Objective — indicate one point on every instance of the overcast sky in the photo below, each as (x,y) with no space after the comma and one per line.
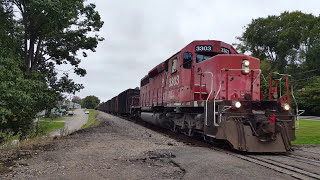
(142,33)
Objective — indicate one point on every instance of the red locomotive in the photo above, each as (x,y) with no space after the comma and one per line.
(210,89)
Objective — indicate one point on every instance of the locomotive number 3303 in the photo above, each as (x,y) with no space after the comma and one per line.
(174,81)
(204,48)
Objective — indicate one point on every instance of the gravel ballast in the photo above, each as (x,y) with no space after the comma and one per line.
(121,149)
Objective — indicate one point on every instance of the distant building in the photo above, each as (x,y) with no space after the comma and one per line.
(72,105)
(61,108)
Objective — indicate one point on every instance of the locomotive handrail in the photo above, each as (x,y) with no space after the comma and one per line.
(281,74)
(206,117)
(298,112)
(214,100)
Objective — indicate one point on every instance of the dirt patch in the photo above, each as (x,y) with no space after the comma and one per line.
(161,159)
(10,159)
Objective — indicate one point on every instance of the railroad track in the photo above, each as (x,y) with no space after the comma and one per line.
(281,167)
(306,160)
(259,159)
(311,152)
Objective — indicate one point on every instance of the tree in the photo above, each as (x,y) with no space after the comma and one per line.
(289,39)
(9,41)
(76,99)
(90,102)
(22,96)
(288,43)
(35,37)
(309,97)
(54,33)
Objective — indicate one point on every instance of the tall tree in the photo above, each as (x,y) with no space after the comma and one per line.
(35,37)
(9,38)
(309,97)
(288,43)
(289,39)
(22,96)
(55,33)
(76,99)
(90,102)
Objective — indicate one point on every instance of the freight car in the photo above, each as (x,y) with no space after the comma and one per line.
(121,104)
(209,89)
(127,99)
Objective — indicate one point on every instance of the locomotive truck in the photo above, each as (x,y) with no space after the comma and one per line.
(209,89)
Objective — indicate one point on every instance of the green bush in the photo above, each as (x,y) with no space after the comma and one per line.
(21,98)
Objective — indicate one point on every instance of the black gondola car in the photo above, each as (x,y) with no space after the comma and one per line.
(112,105)
(108,106)
(126,99)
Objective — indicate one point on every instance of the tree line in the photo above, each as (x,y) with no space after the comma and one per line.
(288,43)
(89,102)
(36,37)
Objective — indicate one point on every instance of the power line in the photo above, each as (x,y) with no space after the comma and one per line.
(307,71)
(309,78)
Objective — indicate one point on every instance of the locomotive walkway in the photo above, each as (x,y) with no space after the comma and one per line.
(120,149)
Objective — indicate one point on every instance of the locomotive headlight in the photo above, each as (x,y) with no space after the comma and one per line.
(236,104)
(245,66)
(246,63)
(246,70)
(286,107)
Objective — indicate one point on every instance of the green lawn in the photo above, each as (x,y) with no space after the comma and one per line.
(92,118)
(54,119)
(308,132)
(46,126)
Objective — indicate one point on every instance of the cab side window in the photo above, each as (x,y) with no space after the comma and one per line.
(187,60)
(174,66)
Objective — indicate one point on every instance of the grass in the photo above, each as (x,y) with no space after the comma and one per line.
(54,119)
(47,127)
(92,121)
(308,132)
(32,138)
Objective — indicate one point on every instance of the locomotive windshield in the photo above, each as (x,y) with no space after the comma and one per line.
(205,52)
(201,57)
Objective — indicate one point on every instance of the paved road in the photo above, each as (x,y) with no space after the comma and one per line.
(311,118)
(72,123)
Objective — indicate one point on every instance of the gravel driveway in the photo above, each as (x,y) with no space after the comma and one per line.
(72,123)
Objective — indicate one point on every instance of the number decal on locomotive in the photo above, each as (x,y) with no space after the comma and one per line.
(225,50)
(174,81)
(204,48)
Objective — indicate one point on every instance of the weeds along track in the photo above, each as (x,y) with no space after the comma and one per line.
(296,166)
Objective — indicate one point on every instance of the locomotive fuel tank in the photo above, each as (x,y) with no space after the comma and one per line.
(158,119)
